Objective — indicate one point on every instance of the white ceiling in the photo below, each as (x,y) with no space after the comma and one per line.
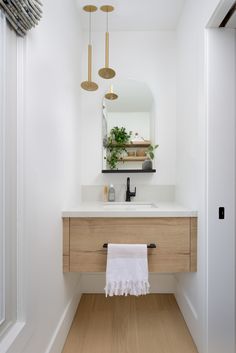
(134,15)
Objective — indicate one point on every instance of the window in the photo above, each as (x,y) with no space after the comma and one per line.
(8,176)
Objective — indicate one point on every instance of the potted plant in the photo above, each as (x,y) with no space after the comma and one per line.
(116,142)
(150,153)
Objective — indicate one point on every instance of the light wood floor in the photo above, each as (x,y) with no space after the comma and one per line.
(147,324)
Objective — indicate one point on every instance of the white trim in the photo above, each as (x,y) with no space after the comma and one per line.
(205,209)
(189,313)
(206,191)
(20,332)
(15,333)
(9,339)
(59,335)
(2,166)
(187,307)
(21,267)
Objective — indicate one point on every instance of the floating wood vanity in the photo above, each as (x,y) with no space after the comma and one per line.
(175,237)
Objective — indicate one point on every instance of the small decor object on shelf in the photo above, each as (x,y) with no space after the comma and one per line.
(150,153)
(22,15)
(116,145)
(147,165)
(137,138)
(141,153)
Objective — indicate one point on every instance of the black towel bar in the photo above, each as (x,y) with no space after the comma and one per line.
(150,246)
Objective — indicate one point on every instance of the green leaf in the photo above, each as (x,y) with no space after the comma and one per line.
(151,154)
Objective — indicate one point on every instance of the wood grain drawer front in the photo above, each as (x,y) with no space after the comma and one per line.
(171,235)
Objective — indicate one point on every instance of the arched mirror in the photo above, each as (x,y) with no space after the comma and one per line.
(129,129)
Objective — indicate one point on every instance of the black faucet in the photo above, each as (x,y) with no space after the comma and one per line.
(129,194)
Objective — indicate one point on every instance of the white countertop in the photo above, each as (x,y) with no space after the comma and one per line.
(109,209)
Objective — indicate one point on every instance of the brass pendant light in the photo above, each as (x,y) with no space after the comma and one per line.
(111,95)
(107,72)
(89,85)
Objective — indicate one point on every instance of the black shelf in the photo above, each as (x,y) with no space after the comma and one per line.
(128,171)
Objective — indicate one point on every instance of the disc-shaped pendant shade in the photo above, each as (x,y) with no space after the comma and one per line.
(111,95)
(90,8)
(89,85)
(107,8)
(107,72)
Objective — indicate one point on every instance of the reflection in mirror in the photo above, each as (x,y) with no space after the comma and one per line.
(128,128)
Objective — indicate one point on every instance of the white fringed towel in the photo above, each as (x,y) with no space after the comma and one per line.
(127,270)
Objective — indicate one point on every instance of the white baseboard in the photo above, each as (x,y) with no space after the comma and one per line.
(188,311)
(95,283)
(59,336)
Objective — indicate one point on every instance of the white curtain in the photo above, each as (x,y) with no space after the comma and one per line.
(22,14)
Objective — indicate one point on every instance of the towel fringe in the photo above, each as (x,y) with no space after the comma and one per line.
(127,288)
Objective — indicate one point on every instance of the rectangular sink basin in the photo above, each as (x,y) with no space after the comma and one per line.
(129,206)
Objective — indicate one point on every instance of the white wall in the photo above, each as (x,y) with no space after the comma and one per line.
(148,57)
(49,166)
(191,169)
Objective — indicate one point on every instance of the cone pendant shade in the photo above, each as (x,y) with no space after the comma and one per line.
(89,85)
(107,72)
